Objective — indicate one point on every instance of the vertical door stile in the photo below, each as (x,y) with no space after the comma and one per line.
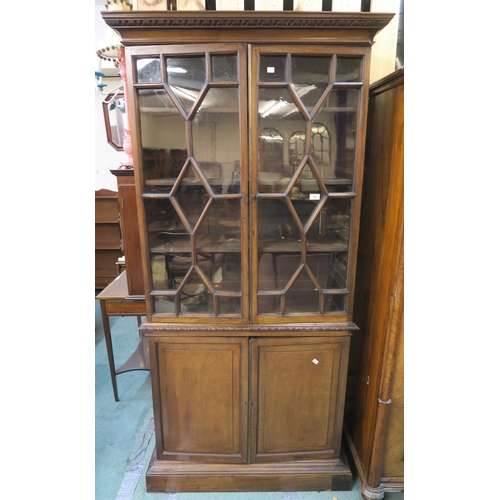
(253,58)
(243,71)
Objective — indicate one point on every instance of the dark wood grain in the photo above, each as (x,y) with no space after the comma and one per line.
(250,401)
(375,420)
(107,239)
(130,230)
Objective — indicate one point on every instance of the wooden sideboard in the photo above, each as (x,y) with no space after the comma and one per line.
(375,411)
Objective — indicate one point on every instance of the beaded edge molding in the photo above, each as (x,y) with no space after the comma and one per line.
(249,328)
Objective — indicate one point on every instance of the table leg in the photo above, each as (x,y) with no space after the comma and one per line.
(109,347)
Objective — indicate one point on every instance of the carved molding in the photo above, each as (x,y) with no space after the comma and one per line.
(162,327)
(130,22)
(148,21)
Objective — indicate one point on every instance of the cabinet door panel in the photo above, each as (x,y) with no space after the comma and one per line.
(297,397)
(203,398)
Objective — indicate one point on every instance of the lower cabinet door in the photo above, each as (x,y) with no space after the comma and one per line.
(200,389)
(297,399)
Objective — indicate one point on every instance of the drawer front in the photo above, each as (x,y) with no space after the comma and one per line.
(130,307)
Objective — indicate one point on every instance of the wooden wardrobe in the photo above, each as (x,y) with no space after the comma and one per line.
(375,407)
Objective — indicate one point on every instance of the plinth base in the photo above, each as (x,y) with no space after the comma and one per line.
(320,475)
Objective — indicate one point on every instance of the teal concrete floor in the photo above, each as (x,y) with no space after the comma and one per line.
(124,437)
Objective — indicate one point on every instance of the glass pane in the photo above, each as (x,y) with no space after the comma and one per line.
(277,228)
(335,303)
(148,70)
(219,239)
(168,240)
(195,297)
(186,77)
(348,69)
(272,68)
(303,296)
(266,282)
(331,229)
(337,277)
(310,77)
(191,195)
(279,118)
(224,68)
(229,306)
(163,138)
(333,139)
(296,148)
(268,304)
(216,139)
(307,186)
(165,305)
(320,144)
(304,209)
(280,259)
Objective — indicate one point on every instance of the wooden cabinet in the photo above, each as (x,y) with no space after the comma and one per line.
(127,201)
(107,237)
(375,419)
(248,133)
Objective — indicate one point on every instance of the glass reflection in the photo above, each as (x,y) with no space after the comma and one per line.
(219,237)
(163,139)
(279,118)
(194,295)
(303,295)
(148,70)
(191,194)
(192,167)
(281,269)
(186,77)
(216,138)
(272,68)
(333,139)
(348,69)
(224,68)
(310,78)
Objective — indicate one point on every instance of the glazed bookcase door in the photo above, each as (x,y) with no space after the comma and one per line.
(190,109)
(306,146)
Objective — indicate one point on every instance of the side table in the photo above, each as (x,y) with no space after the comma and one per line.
(115,301)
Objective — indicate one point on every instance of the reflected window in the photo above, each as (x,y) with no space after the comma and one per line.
(270,150)
(320,144)
(148,70)
(296,148)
